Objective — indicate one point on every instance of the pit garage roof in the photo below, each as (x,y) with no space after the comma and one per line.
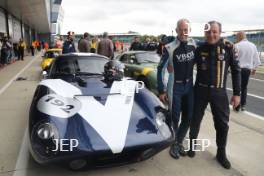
(35,13)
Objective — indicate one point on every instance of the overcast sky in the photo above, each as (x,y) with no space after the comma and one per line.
(159,16)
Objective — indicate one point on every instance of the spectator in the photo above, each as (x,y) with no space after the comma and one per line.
(10,50)
(105,47)
(32,48)
(21,48)
(15,48)
(248,61)
(136,45)
(161,45)
(46,46)
(58,43)
(93,45)
(153,45)
(83,44)
(5,50)
(146,44)
(68,45)
(38,45)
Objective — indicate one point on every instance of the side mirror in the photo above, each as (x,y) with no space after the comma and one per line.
(44,74)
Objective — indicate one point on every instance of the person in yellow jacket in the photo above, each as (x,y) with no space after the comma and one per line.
(93,46)
(21,48)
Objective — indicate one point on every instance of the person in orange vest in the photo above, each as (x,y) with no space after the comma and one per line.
(38,45)
(32,48)
(122,46)
(117,44)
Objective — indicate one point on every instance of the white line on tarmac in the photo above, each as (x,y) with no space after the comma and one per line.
(23,157)
(15,77)
(252,95)
(254,115)
(255,79)
(250,113)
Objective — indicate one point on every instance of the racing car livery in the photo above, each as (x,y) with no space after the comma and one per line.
(79,118)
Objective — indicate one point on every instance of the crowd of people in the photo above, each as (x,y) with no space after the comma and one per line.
(106,46)
(13,51)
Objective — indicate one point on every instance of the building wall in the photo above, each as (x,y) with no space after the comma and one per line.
(2,21)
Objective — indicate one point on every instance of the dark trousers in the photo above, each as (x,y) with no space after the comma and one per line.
(32,51)
(21,54)
(182,102)
(93,50)
(4,55)
(220,109)
(245,74)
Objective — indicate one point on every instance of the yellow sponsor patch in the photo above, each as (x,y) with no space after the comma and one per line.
(204,54)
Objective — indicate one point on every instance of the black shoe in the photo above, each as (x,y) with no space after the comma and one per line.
(174,151)
(191,152)
(182,151)
(222,159)
(243,108)
(237,109)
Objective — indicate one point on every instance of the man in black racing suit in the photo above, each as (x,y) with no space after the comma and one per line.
(213,58)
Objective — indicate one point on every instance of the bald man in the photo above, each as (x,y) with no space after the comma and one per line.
(249,61)
(178,55)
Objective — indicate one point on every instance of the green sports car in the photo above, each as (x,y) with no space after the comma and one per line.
(142,66)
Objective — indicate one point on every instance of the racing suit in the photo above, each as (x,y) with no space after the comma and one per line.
(180,56)
(212,63)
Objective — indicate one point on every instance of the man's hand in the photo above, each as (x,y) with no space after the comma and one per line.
(228,43)
(235,101)
(253,72)
(170,69)
(163,98)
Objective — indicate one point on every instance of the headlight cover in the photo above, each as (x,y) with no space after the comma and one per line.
(47,131)
(161,123)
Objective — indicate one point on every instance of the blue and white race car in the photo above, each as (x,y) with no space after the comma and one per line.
(85,114)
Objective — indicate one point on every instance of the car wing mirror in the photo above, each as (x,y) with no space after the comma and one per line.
(44,74)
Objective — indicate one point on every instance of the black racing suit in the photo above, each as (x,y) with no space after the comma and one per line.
(212,63)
